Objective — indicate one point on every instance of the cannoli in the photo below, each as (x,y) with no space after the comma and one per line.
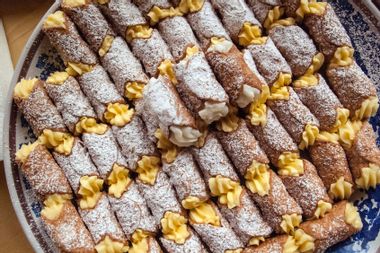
(65,227)
(67,95)
(338,225)
(82,174)
(42,171)
(241,84)
(238,20)
(354,89)
(325,29)
(100,90)
(296,118)
(90,21)
(36,106)
(308,191)
(124,69)
(298,9)
(234,202)
(323,103)
(198,87)
(359,141)
(298,242)
(175,121)
(329,158)
(103,226)
(206,24)
(73,50)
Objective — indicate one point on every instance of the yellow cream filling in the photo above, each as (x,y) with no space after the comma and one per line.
(328,137)
(234,251)
(89,125)
(75,69)
(200,211)
(370,177)
(290,222)
(168,150)
(138,32)
(73,3)
(290,245)
(279,89)
(258,178)
(343,56)
(90,191)
(107,245)
(303,241)
(134,90)
(118,180)
(23,153)
(227,190)
(166,69)
(57,78)
(24,88)
(156,14)
(102,1)
(309,136)
(352,216)
(342,115)
(310,7)
(274,18)
(139,241)
(118,114)
(190,6)
(147,168)
(53,205)
(348,131)
(309,79)
(106,45)
(229,123)
(323,208)
(316,63)
(174,227)
(251,34)
(255,241)
(340,189)
(368,108)
(258,109)
(55,20)
(290,164)
(60,142)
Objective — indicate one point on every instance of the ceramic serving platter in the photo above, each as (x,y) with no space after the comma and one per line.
(360,18)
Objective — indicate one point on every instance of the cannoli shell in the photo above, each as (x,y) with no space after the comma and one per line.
(293,115)
(351,85)
(44,174)
(306,189)
(233,72)
(39,111)
(327,31)
(330,229)
(291,7)
(90,22)
(78,239)
(242,147)
(70,102)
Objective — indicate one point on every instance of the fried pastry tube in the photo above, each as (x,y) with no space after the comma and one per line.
(104,227)
(204,216)
(342,222)
(36,106)
(354,89)
(233,199)
(124,69)
(296,118)
(278,208)
(359,141)
(329,158)
(90,21)
(73,105)
(198,87)
(74,51)
(162,101)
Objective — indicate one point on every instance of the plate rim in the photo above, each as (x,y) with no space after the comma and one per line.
(30,45)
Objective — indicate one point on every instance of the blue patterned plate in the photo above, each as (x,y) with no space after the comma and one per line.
(360,18)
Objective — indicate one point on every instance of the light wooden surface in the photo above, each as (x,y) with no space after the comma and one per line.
(19,19)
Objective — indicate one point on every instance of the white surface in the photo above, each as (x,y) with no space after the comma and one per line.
(6,72)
